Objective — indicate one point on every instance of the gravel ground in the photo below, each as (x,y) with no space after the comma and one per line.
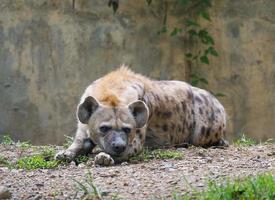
(148,180)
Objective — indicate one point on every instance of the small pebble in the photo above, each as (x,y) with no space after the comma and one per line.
(4,193)
(81,165)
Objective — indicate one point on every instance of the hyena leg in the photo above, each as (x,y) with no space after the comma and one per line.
(81,145)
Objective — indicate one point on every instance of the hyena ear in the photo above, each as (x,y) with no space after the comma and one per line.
(86,109)
(140,112)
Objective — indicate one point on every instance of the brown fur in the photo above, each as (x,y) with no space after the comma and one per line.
(174,113)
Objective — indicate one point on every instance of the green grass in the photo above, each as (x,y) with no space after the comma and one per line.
(245,141)
(147,155)
(4,162)
(6,140)
(88,188)
(260,187)
(36,162)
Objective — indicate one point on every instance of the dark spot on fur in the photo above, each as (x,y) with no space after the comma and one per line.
(216,135)
(179,129)
(208,132)
(157,97)
(167,114)
(189,94)
(192,111)
(165,127)
(172,126)
(166,99)
(157,113)
(220,128)
(200,110)
(203,130)
(135,150)
(183,105)
(205,99)
(212,118)
(198,99)
(177,108)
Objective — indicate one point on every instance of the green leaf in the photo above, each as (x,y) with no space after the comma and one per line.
(194,82)
(184,2)
(192,32)
(205,15)
(203,80)
(191,23)
(114,4)
(206,3)
(149,2)
(162,30)
(176,31)
(189,55)
(213,52)
(204,59)
(219,94)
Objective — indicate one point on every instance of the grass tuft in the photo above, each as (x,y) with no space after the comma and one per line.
(4,162)
(245,141)
(36,162)
(88,188)
(6,140)
(260,187)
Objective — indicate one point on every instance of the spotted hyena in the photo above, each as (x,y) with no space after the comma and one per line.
(124,111)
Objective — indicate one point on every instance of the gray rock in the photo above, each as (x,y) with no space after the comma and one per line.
(4,193)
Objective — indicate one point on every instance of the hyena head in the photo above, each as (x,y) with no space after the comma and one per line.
(113,128)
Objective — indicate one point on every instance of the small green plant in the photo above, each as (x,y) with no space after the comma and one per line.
(68,141)
(245,141)
(88,188)
(147,155)
(6,140)
(23,146)
(81,159)
(4,162)
(48,153)
(261,187)
(36,162)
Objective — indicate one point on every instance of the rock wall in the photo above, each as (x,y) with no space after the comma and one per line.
(49,53)
(245,70)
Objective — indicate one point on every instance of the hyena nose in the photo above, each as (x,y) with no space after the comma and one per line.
(118,147)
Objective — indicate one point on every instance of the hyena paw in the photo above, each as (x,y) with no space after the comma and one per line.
(104,159)
(65,155)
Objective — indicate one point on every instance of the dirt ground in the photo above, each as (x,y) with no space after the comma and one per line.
(154,179)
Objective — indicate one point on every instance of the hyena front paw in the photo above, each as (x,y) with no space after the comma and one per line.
(104,159)
(65,155)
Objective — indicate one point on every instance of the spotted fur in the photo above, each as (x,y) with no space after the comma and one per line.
(178,112)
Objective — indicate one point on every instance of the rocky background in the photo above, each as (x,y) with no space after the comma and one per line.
(49,53)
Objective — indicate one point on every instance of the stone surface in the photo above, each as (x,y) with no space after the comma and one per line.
(244,32)
(4,193)
(49,53)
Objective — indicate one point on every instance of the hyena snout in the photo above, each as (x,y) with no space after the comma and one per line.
(118,146)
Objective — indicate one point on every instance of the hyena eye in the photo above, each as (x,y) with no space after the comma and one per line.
(126,130)
(104,129)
